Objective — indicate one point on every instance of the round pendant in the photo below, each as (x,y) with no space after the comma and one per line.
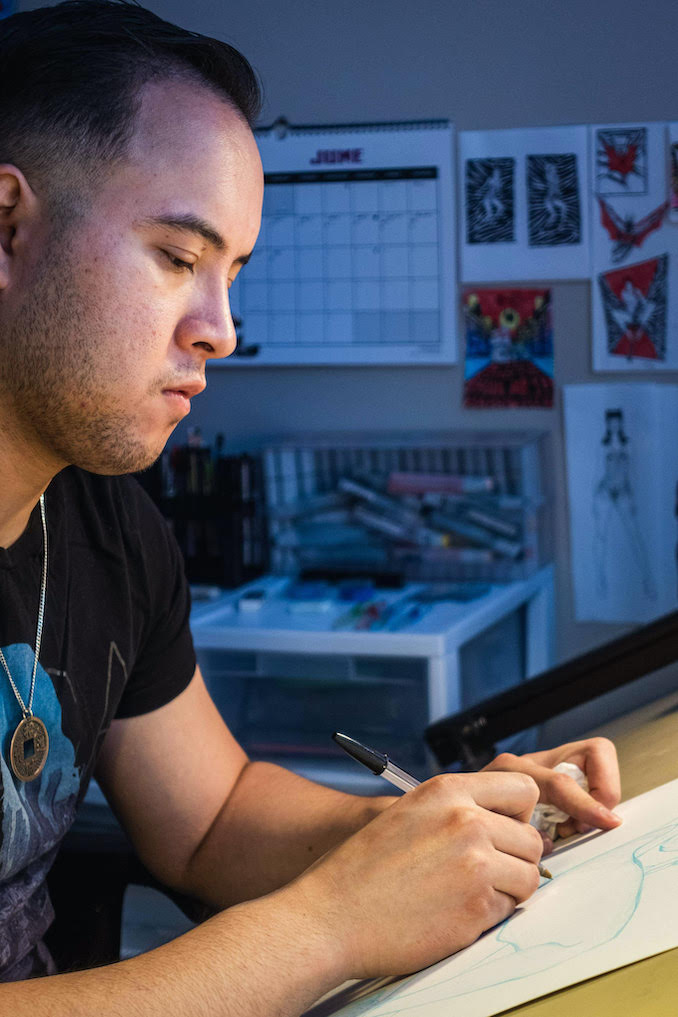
(29,748)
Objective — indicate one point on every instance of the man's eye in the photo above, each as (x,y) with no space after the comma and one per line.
(178,264)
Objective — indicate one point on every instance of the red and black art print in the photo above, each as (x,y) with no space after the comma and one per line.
(634,301)
(621,160)
(625,231)
(509,348)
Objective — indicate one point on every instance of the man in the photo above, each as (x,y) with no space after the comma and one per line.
(130,197)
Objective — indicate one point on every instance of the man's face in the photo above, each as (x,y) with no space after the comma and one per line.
(106,337)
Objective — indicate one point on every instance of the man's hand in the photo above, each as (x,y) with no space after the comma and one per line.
(425,878)
(597,758)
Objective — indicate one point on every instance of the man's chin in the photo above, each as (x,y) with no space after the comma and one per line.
(115,444)
(123,461)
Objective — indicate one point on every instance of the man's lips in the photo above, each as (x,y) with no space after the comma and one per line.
(188,389)
(181,395)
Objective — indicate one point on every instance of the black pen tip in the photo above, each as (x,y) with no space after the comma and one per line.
(374,761)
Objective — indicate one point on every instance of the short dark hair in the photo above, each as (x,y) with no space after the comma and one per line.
(70,77)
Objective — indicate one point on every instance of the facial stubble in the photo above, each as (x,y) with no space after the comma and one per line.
(58,373)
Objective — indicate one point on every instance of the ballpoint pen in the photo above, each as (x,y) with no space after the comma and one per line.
(380,764)
(377,762)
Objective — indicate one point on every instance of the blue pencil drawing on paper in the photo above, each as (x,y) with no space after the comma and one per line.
(533,941)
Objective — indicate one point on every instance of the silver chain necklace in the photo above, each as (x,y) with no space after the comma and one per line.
(30,742)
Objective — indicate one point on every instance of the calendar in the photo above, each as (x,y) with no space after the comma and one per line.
(355,262)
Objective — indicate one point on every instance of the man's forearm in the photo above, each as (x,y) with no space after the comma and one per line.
(267,958)
(273,826)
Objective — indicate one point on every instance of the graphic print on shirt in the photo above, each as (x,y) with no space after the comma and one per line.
(35,815)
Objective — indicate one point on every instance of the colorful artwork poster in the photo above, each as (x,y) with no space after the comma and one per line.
(634,248)
(509,348)
(525,204)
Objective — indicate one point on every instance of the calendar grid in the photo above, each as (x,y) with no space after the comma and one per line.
(346,258)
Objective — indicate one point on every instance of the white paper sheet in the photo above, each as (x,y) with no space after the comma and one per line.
(356,260)
(634,287)
(524,200)
(622,471)
(612,901)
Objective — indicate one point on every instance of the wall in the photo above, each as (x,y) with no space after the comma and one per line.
(483,64)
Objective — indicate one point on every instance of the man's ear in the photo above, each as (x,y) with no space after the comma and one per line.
(18,210)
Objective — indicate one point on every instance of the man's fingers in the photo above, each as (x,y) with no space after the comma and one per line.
(516,878)
(508,794)
(596,757)
(547,843)
(519,840)
(572,826)
(562,791)
(602,772)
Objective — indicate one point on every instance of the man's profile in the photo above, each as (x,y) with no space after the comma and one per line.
(130,197)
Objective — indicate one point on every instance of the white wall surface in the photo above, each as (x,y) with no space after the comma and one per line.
(483,64)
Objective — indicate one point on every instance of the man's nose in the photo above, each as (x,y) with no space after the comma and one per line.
(209,328)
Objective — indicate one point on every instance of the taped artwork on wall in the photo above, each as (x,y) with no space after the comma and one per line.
(509,348)
(634,246)
(673,159)
(490,201)
(621,160)
(622,472)
(634,302)
(525,206)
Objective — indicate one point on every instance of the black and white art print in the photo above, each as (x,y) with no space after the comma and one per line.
(622,464)
(525,204)
(553,200)
(490,201)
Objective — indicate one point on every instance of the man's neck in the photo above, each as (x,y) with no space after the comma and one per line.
(12,527)
(25,472)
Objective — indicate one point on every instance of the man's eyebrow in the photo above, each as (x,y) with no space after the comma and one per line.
(193,224)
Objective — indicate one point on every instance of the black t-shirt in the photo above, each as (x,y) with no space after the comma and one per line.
(116,643)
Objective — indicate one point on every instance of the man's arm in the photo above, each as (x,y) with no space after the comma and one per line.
(208,822)
(205,820)
(363,909)
(267,958)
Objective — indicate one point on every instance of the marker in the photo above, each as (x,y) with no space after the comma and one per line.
(381,765)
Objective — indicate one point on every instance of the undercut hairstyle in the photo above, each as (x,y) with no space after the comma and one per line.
(70,83)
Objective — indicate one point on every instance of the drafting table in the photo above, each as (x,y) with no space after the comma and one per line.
(646,741)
